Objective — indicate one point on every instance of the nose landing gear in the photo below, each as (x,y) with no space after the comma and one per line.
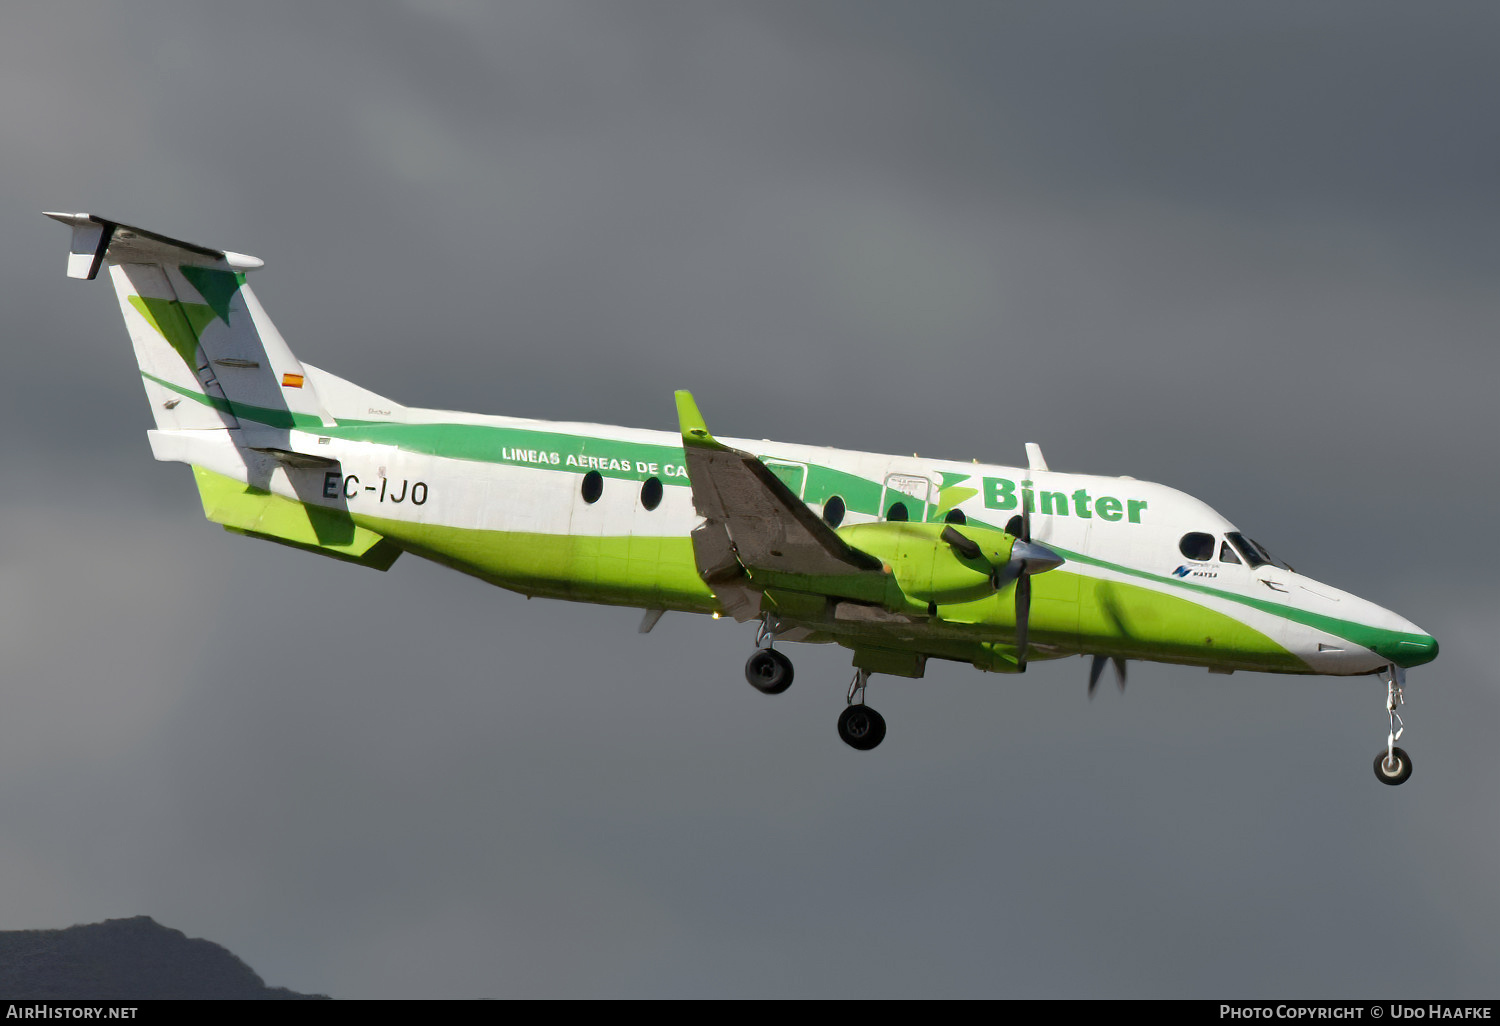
(1393,766)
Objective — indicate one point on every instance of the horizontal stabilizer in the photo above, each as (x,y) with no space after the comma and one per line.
(96,239)
(301,460)
(200,334)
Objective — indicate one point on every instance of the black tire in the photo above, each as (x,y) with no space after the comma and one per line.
(768,671)
(1393,775)
(861,727)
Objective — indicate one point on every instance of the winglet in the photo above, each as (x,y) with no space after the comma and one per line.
(694,430)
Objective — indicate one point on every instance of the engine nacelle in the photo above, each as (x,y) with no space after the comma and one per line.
(928,569)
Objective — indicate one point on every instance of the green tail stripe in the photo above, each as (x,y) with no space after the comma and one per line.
(216,287)
(245,411)
(179,323)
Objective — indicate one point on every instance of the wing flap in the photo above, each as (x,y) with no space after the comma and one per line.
(756,527)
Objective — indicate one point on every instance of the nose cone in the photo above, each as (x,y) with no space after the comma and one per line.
(1330,618)
(1407,650)
(1396,639)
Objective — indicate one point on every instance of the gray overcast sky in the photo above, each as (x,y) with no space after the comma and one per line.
(1245,250)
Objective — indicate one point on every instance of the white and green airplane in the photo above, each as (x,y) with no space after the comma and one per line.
(899,559)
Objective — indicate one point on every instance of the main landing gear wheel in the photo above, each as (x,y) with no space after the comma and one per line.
(861,727)
(1392,768)
(768,671)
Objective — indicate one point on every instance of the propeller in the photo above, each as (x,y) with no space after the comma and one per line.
(1026,558)
(1097,669)
(1031,558)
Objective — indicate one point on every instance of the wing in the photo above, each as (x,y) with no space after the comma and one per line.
(757,534)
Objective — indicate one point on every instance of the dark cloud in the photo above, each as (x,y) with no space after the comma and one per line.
(1245,251)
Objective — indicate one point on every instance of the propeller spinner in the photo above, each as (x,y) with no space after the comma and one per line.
(1026,558)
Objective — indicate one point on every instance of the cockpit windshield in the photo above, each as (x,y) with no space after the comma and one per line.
(1254,553)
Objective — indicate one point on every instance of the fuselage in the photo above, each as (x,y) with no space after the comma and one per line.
(603,514)
(899,559)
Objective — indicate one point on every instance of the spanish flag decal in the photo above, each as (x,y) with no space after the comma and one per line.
(290,380)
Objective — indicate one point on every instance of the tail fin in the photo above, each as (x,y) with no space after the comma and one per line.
(208,354)
(228,395)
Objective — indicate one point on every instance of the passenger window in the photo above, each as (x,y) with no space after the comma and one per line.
(593,486)
(955,516)
(897,512)
(1197,546)
(1226,554)
(651,493)
(833,511)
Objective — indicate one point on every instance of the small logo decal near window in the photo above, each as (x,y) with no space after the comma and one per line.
(1194,571)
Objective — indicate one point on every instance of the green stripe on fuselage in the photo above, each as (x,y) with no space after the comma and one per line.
(1376,639)
(1182,623)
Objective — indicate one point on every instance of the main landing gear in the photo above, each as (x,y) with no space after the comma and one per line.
(767,670)
(1393,765)
(770,672)
(860,727)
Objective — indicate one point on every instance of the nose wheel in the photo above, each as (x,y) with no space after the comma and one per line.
(1392,768)
(1393,765)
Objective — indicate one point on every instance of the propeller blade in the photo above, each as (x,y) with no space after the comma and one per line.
(1023,618)
(1095,670)
(1028,558)
(964,546)
(1003,575)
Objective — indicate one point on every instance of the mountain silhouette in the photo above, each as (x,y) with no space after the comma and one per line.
(135,958)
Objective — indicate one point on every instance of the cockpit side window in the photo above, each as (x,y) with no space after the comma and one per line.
(1197,546)
(1278,562)
(1226,554)
(1254,554)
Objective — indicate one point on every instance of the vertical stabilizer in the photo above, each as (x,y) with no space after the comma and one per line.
(208,353)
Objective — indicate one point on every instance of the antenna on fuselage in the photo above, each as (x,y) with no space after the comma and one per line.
(1034,458)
